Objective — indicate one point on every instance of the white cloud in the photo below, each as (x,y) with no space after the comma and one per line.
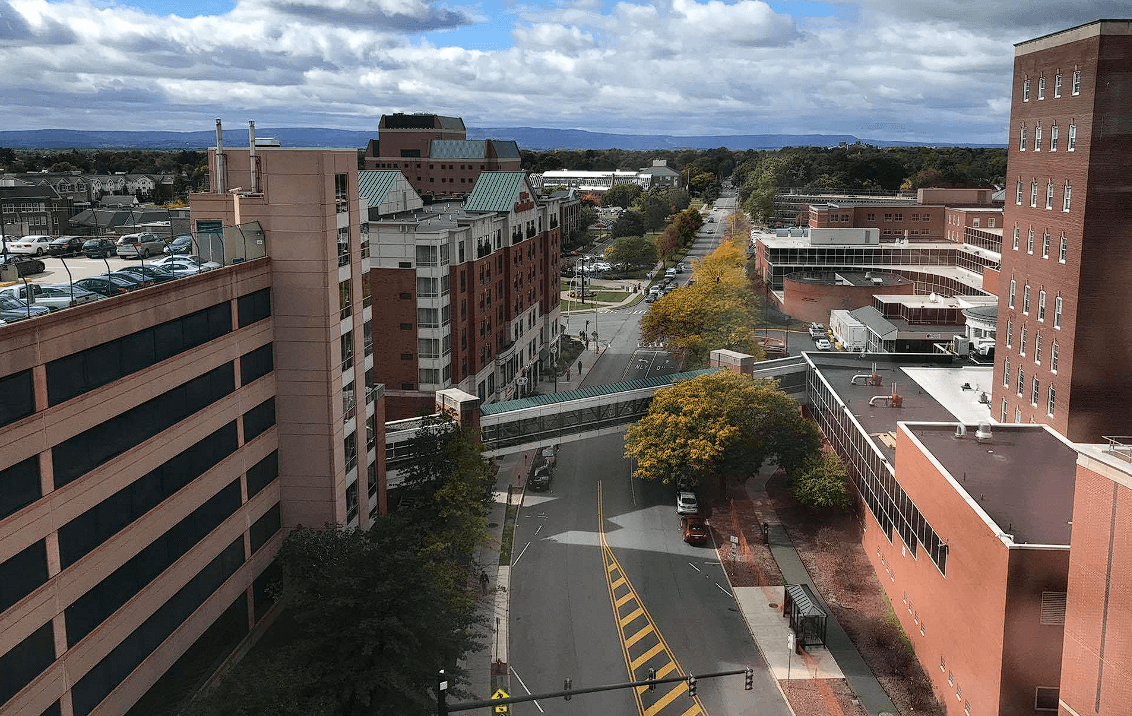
(882,69)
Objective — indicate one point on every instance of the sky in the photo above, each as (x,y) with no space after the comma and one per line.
(907,70)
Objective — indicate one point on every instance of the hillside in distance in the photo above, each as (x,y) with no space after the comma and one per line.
(532,138)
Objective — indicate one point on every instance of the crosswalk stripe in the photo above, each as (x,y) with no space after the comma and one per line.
(656,649)
(668,698)
(621,602)
(618,583)
(666,670)
(693,710)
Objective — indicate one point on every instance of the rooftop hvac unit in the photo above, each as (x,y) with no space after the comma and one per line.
(983,434)
(961,345)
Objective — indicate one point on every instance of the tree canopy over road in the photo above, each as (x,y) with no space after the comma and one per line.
(723,424)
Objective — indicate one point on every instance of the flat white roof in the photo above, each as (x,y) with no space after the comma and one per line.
(945,384)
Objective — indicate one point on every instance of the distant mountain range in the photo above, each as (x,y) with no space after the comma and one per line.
(533,138)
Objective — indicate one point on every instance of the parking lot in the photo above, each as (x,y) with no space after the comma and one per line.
(80,266)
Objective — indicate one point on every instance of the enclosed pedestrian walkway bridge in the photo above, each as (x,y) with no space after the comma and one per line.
(528,423)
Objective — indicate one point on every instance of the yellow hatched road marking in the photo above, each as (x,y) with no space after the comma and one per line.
(645,631)
(668,698)
(656,649)
(616,578)
(631,616)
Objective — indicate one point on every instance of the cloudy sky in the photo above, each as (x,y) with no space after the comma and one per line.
(924,70)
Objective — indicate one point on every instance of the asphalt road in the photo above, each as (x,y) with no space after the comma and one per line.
(603,585)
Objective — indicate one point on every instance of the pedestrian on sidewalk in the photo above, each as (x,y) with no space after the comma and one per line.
(483,581)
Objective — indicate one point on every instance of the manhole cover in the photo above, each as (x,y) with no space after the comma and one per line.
(492,524)
(772,605)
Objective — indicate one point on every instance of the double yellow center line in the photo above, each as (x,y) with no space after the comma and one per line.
(642,644)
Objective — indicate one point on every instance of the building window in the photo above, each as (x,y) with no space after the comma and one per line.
(950,679)
(1006,374)
(1017,235)
(1018,197)
(1022,139)
(1057,85)
(1021,384)
(1057,312)
(1046,697)
(1003,418)
(1010,303)
(1075,88)
(1034,194)
(1030,241)
(344,246)
(1053,357)
(1071,141)
(942,664)
(1041,305)
(1038,348)
(1041,88)
(958,692)
(1063,249)
(1049,194)
(1026,299)
(1053,138)
(1067,197)
(1034,394)
(1038,138)
(1025,90)
(341,193)
(1050,400)
(345,299)
(1045,245)
(1022,341)
(1017,415)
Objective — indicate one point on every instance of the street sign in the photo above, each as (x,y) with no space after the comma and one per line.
(500,694)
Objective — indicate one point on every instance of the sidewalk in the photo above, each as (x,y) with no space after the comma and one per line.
(761,608)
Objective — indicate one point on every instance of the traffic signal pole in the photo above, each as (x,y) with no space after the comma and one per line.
(566,693)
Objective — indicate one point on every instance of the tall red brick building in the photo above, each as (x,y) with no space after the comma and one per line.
(1064,336)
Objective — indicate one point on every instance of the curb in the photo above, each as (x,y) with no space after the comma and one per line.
(500,647)
(777,683)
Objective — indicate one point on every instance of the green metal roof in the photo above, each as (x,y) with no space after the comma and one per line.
(607,389)
(495,191)
(374,185)
(457,149)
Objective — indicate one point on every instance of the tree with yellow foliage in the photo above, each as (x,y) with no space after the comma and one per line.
(717,311)
(724,424)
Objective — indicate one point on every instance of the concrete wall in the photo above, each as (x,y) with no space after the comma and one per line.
(814,302)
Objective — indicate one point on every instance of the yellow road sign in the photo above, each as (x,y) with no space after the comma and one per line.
(500,694)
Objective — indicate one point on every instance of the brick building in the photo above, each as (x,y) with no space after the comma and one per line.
(1065,336)
(435,154)
(472,289)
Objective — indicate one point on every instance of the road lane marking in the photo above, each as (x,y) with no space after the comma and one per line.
(679,688)
(723,590)
(524,685)
(528,544)
(628,610)
(693,566)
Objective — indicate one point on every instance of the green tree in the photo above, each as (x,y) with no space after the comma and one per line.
(723,424)
(628,224)
(634,251)
(821,482)
(621,195)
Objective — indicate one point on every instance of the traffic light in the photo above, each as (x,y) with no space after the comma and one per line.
(692,686)
(652,675)
(749,679)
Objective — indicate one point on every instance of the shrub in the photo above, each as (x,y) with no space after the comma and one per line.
(821,483)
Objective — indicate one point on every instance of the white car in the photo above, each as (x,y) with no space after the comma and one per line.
(37,244)
(185,265)
(686,503)
(53,296)
(823,344)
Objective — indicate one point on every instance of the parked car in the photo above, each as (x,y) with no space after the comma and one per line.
(181,245)
(152,274)
(13,309)
(52,296)
(139,245)
(25,265)
(694,528)
(186,264)
(686,503)
(540,480)
(37,244)
(107,285)
(549,455)
(99,248)
(66,245)
(139,281)
(823,344)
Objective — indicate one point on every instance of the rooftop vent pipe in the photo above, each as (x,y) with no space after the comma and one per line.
(960,430)
(219,158)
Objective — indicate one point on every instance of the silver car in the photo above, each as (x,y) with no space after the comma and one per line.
(52,297)
(139,245)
